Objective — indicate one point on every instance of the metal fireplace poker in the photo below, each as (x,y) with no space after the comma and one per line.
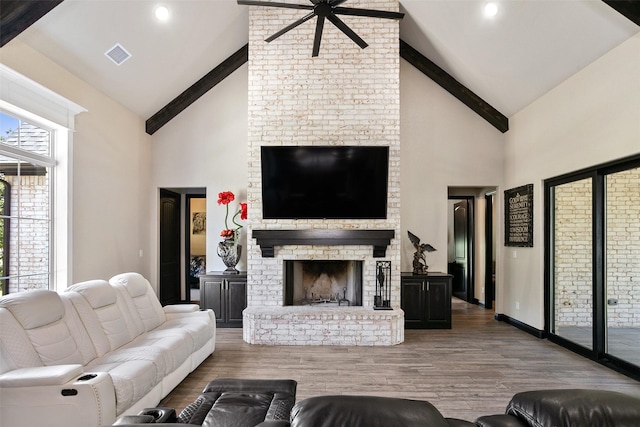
(382,298)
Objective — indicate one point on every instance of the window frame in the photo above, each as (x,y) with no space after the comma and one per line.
(29,100)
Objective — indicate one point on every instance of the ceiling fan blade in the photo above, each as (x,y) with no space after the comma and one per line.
(275,4)
(318,36)
(348,31)
(336,2)
(290,27)
(368,13)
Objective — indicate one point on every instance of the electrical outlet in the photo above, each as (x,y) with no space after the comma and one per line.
(517,305)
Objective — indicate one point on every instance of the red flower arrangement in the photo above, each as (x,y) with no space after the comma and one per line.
(225,198)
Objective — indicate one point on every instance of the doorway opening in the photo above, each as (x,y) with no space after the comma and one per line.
(195,243)
(471,247)
(182,237)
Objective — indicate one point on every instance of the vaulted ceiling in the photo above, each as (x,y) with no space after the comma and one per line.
(509,60)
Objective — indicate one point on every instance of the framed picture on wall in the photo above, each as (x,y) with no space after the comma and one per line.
(199,223)
(518,216)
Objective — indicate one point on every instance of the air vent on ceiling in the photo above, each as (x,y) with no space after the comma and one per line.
(118,54)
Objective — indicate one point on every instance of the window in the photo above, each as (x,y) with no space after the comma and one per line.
(35,190)
(26,166)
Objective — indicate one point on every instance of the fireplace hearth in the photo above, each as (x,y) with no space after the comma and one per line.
(323,283)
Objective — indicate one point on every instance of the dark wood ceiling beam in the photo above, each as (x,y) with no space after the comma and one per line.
(199,88)
(17,16)
(415,58)
(628,8)
(455,88)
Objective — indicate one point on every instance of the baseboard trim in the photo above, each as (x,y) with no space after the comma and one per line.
(520,325)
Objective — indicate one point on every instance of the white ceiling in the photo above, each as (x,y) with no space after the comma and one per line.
(510,60)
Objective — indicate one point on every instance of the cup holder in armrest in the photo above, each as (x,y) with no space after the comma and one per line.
(87,377)
(160,415)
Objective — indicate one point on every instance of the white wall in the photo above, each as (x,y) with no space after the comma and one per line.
(443,144)
(110,172)
(591,118)
(204,146)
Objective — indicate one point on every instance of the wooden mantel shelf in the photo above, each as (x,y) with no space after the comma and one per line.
(268,239)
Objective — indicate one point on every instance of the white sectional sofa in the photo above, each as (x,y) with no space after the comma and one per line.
(95,352)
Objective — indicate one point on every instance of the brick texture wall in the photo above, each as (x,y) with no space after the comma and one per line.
(573,255)
(29,232)
(345,96)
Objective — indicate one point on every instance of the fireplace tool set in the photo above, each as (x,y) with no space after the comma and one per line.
(382,298)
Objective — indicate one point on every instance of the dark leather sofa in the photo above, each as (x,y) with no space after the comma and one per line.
(259,403)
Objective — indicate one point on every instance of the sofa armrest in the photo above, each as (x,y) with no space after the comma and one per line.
(86,400)
(274,423)
(40,376)
(181,308)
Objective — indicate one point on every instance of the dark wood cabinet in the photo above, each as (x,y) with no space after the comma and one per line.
(426,300)
(226,295)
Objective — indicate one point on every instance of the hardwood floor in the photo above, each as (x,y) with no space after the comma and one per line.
(468,371)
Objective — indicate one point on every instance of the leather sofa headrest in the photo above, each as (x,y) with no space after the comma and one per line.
(98,293)
(34,309)
(135,283)
(370,411)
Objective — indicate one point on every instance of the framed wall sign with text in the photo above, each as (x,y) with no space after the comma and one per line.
(518,216)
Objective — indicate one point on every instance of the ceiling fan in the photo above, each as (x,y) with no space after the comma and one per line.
(324,9)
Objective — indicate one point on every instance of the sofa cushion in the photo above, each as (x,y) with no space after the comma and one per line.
(141,301)
(132,380)
(98,293)
(103,298)
(241,402)
(576,408)
(40,313)
(34,308)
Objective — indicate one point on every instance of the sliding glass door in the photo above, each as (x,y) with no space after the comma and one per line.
(572,262)
(622,280)
(592,247)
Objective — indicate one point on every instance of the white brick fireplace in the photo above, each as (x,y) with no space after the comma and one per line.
(345,96)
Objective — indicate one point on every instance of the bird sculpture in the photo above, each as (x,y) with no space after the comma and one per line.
(419,259)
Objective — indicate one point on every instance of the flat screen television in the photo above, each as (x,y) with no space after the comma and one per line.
(324,182)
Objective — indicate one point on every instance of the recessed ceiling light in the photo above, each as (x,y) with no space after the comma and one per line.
(162,13)
(490,9)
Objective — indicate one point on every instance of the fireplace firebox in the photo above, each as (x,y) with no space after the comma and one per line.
(323,283)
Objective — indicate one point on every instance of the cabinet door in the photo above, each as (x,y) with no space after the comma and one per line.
(438,304)
(236,301)
(412,302)
(213,296)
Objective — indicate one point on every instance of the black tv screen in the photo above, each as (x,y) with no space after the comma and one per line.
(316,182)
